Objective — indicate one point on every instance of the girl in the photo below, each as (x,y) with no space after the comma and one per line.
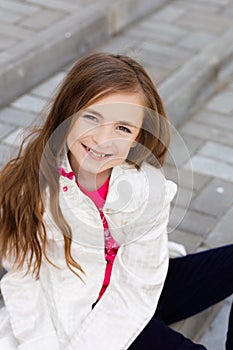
(84,211)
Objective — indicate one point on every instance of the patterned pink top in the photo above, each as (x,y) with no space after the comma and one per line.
(99,197)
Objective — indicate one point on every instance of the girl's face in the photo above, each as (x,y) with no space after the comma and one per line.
(103,133)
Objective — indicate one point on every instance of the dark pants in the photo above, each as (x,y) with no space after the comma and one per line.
(194,283)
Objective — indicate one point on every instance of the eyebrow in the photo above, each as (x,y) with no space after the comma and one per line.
(124,122)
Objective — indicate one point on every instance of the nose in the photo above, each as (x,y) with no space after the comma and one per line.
(102,135)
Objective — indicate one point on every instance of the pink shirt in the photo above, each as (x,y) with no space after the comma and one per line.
(99,197)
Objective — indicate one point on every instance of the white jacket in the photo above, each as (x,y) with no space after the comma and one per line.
(55,311)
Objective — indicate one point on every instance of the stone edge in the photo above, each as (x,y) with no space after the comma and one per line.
(31,62)
(198,79)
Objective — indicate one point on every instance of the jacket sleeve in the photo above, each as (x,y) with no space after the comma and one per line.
(138,276)
(26,305)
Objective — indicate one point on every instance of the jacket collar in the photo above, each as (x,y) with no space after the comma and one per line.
(127,186)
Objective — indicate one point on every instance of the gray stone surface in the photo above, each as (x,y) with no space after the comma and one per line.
(192,221)
(6,42)
(222,103)
(9,16)
(42,19)
(57,33)
(215,199)
(13,31)
(182,146)
(18,7)
(197,41)
(5,130)
(59,4)
(195,81)
(222,232)
(189,240)
(199,6)
(215,119)
(183,197)
(169,14)
(29,103)
(167,57)
(160,31)
(47,88)
(16,117)
(208,132)
(186,178)
(217,151)
(212,167)
(6,153)
(15,138)
(208,22)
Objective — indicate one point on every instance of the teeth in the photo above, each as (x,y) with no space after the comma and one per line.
(96,154)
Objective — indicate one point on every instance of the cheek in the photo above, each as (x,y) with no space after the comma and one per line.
(71,138)
(76,133)
(124,146)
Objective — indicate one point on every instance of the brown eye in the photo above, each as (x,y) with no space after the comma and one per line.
(90,117)
(124,129)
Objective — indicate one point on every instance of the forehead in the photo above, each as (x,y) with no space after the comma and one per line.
(128,107)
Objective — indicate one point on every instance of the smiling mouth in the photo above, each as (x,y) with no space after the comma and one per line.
(95,154)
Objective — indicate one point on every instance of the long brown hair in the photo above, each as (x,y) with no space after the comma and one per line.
(23,183)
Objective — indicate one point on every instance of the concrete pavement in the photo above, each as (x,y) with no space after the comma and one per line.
(188,49)
(38,37)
